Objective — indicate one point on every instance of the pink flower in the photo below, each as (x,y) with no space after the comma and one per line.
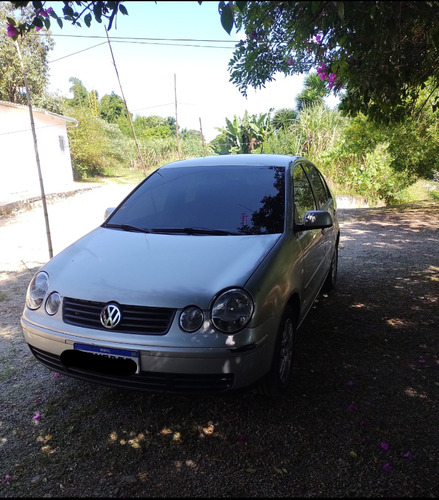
(384,446)
(12,31)
(408,455)
(38,28)
(387,467)
(323,76)
(318,38)
(332,77)
(56,375)
(290,62)
(44,13)
(36,416)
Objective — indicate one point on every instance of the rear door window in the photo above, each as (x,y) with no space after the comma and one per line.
(303,195)
(318,185)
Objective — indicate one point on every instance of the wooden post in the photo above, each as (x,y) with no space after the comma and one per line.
(37,156)
(176,118)
(126,106)
(202,138)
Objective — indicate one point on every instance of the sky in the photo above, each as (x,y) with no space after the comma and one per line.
(166,64)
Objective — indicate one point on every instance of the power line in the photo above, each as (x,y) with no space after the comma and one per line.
(151,107)
(114,38)
(79,51)
(141,43)
(176,44)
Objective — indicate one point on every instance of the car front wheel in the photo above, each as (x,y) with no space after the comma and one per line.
(279,376)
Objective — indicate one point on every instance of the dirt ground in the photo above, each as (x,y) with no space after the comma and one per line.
(360,420)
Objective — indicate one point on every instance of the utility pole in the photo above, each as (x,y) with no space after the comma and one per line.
(37,156)
(176,119)
(202,138)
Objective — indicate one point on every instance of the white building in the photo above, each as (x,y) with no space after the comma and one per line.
(18,166)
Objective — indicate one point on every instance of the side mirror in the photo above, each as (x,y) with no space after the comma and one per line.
(108,212)
(315,219)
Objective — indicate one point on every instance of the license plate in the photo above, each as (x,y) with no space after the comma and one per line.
(109,352)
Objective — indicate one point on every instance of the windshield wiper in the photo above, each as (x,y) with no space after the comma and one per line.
(128,227)
(192,231)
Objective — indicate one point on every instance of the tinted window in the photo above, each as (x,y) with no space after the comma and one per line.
(244,200)
(320,190)
(303,195)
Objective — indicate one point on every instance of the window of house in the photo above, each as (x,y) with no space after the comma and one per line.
(62,143)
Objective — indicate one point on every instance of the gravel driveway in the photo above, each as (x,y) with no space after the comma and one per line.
(360,420)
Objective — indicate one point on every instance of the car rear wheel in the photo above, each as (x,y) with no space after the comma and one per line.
(279,376)
(331,279)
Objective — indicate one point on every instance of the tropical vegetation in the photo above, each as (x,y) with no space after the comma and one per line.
(381,140)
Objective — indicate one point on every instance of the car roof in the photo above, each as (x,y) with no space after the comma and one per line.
(250,160)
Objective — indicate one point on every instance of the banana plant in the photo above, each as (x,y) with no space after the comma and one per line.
(247,133)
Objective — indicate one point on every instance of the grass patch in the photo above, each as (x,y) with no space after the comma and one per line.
(117,176)
(121,175)
(421,190)
(7,370)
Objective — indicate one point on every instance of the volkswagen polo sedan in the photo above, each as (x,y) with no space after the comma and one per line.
(196,282)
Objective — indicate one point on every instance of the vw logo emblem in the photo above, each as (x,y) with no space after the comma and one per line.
(110,316)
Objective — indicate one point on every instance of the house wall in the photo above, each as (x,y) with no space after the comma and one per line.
(18,166)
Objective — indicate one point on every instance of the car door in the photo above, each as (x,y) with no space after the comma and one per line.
(324,202)
(312,242)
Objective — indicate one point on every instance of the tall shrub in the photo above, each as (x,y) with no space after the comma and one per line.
(95,145)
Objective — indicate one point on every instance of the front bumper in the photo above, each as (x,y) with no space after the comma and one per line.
(161,369)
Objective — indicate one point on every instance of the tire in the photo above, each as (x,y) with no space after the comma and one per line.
(279,377)
(331,279)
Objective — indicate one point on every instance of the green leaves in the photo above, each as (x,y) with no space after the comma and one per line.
(227,15)
(378,75)
(244,135)
(38,22)
(68,11)
(87,20)
(340,9)
(87,11)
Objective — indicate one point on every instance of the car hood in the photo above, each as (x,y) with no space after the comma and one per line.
(155,269)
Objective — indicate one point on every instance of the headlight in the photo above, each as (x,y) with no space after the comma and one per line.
(52,303)
(232,310)
(37,289)
(191,319)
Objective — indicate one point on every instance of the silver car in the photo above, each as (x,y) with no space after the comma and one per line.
(196,282)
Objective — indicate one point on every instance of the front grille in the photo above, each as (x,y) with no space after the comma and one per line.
(135,319)
(144,381)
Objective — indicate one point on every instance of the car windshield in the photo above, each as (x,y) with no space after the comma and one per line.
(206,200)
